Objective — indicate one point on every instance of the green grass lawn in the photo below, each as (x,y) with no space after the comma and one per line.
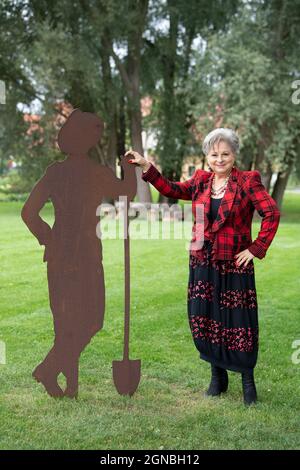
(168,411)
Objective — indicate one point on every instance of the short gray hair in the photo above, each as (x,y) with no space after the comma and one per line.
(221,133)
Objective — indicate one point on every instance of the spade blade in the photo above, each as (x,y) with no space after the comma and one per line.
(126,375)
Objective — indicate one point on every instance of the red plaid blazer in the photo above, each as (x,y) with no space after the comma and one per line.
(231,230)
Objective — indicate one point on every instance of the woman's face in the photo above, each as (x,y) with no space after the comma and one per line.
(221,158)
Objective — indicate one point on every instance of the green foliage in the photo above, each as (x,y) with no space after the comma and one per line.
(204,64)
(246,75)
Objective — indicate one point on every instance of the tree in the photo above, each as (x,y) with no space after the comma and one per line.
(173,49)
(130,37)
(249,85)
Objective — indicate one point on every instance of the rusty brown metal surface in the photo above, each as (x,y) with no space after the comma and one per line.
(73,252)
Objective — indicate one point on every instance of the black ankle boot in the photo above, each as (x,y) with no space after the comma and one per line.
(249,389)
(219,381)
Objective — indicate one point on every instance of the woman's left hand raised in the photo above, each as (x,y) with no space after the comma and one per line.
(243,257)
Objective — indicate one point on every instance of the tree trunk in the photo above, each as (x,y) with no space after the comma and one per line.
(130,75)
(110,107)
(169,118)
(135,116)
(281,183)
(175,120)
(266,178)
(121,134)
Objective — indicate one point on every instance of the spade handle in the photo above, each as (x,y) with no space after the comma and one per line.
(127,280)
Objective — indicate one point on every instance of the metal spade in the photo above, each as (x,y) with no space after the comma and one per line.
(126,373)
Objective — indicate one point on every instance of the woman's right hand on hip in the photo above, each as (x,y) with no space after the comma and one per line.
(138,159)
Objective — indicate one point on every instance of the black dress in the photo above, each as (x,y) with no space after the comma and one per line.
(222,309)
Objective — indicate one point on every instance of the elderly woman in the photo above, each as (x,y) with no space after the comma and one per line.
(222,302)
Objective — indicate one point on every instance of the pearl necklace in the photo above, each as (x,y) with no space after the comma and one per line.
(221,189)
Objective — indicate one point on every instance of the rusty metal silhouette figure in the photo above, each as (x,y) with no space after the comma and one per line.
(73,252)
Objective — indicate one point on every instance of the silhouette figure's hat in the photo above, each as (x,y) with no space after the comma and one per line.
(80,132)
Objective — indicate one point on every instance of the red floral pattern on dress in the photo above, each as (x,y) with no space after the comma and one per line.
(234,339)
(195,262)
(245,298)
(202,289)
(223,266)
(230,266)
